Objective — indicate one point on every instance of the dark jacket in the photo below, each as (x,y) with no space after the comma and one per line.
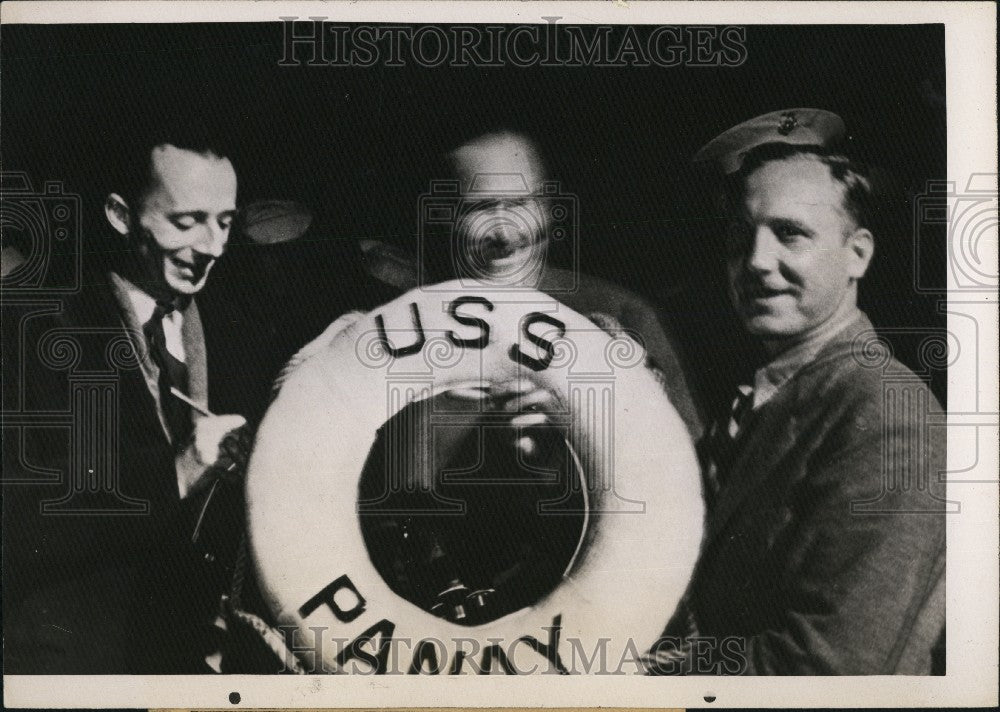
(98,573)
(824,550)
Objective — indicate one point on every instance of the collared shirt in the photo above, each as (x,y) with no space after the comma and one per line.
(141,307)
(770,378)
(137,309)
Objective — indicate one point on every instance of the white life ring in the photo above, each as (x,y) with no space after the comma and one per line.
(645,504)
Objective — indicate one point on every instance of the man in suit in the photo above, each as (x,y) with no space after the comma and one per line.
(825,540)
(100,575)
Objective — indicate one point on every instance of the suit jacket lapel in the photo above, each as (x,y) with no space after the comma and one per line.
(106,307)
(99,308)
(194,350)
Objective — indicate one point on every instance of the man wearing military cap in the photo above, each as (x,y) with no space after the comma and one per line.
(794,127)
(825,544)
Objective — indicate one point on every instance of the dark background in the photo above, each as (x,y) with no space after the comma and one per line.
(356,145)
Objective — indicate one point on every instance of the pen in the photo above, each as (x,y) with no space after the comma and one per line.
(197,406)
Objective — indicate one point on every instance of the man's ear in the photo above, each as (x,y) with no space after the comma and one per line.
(117,212)
(861,243)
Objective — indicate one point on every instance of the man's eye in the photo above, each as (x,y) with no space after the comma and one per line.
(788,233)
(184,222)
(226,222)
(516,203)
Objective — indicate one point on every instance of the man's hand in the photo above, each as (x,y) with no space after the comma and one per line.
(214,437)
(210,431)
(528,402)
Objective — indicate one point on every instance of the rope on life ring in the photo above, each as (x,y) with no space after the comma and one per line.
(644,513)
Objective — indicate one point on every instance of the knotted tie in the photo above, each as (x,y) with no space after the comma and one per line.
(173,374)
(718,448)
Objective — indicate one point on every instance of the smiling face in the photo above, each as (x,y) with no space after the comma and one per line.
(182,222)
(794,253)
(501,226)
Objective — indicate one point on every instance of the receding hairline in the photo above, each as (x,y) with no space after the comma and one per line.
(152,177)
(204,152)
(496,138)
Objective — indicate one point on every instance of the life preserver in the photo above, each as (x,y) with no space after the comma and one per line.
(644,497)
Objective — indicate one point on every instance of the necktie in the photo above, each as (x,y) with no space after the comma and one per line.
(717,449)
(173,374)
(738,409)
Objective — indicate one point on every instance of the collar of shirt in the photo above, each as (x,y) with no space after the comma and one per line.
(770,378)
(138,308)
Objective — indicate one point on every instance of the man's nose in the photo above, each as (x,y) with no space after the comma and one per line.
(762,252)
(502,225)
(213,240)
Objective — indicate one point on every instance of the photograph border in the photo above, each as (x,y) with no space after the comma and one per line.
(972,533)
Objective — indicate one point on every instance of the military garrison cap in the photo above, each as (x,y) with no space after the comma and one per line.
(802,127)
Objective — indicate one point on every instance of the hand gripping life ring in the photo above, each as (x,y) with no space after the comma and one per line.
(640,484)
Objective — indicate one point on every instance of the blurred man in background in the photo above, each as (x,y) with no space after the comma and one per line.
(503,233)
(500,215)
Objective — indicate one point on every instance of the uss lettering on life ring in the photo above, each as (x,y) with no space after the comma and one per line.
(636,494)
